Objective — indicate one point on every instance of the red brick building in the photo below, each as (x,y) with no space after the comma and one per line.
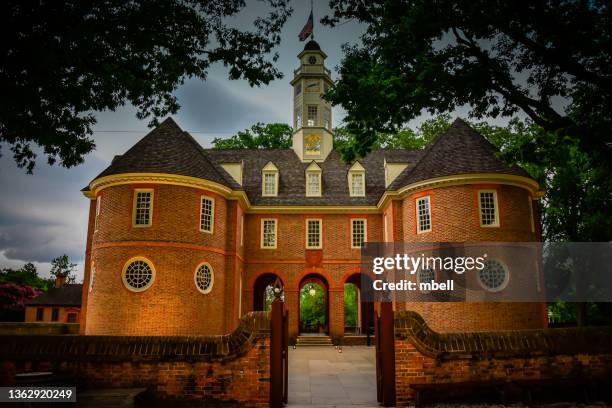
(59,304)
(184,240)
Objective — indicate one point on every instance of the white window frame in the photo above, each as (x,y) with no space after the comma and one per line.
(418,216)
(97,216)
(212,278)
(320,221)
(351,185)
(264,192)
(261,238)
(496,208)
(312,122)
(125,267)
(298,117)
(309,192)
(212,213)
(135,199)
(365,232)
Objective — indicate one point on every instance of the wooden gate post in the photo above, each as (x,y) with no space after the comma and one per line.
(276,350)
(387,350)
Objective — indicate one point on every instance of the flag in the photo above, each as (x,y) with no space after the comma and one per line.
(307,30)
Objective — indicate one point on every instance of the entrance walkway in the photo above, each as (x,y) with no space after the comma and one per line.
(320,376)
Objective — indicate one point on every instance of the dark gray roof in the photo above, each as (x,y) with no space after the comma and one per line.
(67,295)
(168,149)
(312,45)
(459,150)
(292,176)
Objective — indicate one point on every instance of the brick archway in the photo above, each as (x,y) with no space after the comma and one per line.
(320,280)
(259,288)
(365,303)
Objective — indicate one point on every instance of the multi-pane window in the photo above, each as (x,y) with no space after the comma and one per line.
(268,233)
(40,314)
(98,203)
(312,115)
(143,207)
(313,183)
(242,230)
(298,88)
(138,274)
(488,208)
(298,117)
(358,232)
(327,118)
(269,183)
(204,278)
(357,184)
(423,214)
(313,233)
(55,314)
(207,214)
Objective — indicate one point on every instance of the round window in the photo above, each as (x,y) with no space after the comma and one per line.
(494,276)
(204,278)
(138,274)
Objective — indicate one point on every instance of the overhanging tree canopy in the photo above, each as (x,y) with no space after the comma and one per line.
(550,60)
(62,60)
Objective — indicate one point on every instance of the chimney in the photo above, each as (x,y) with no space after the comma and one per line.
(60,280)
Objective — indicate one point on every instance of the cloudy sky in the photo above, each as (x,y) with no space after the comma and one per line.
(44,215)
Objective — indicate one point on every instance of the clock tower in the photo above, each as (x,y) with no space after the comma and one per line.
(312,115)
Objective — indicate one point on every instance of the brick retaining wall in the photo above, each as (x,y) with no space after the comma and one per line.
(425,356)
(230,368)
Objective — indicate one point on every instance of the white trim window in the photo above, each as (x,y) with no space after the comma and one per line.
(312,111)
(96,219)
(313,234)
(92,275)
(143,208)
(358,184)
(298,117)
(138,274)
(487,206)
(495,276)
(423,214)
(268,233)
(207,214)
(269,180)
(359,232)
(204,278)
(313,184)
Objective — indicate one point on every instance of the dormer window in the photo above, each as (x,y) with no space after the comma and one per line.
(269,180)
(356,180)
(313,180)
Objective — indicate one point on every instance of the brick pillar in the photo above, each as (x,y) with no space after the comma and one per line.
(293,307)
(336,312)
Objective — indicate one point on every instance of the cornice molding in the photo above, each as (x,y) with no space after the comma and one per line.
(462,179)
(161,178)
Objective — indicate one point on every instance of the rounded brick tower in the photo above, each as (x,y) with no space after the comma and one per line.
(161,233)
(459,192)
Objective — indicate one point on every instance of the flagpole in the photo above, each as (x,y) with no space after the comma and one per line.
(311,12)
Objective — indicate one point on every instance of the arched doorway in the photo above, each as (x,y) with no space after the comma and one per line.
(358,313)
(263,291)
(313,305)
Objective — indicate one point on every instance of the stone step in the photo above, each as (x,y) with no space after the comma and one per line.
(314,341)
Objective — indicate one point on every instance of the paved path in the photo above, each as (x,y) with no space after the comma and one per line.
(320,376)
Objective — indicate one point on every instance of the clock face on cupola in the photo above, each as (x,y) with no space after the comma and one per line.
(312,119)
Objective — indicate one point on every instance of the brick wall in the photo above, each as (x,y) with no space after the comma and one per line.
(176,247)
(232,368)
(425,356)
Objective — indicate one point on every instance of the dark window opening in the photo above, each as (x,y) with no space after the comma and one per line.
(55,314)
(40,313)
